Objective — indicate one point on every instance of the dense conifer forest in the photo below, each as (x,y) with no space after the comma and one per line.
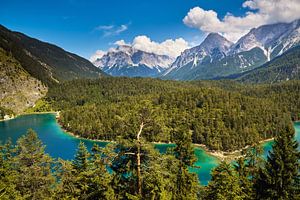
(133,169)
(222,115)
(134,113)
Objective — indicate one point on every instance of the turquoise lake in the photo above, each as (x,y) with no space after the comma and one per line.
(62,145)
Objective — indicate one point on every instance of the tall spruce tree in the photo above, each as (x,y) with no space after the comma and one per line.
(187,183)
(247,170)
(7,174)
(224,184)
(34,179)
(244,178)
(280,179)
(82,156)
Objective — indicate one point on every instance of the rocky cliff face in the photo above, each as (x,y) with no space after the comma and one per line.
(18,90)
(214,47)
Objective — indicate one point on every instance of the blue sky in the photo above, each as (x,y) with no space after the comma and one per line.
(82,26)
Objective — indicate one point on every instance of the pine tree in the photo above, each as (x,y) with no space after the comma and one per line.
(7,174)
(67,187)
(99,179)
(186,184)
(244,178)
(81,160)
(224,184)
(34,179)
(280,178)
(84,178)
(247,170)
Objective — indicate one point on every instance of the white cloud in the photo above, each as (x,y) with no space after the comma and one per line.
(110,30)
(169,47)
(232,27)
(121,29)
(172,48)
(120,43)
(97,55)
(105,27)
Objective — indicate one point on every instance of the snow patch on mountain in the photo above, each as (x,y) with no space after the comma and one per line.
(215,46)
(268,37)
(260,45)
(125,56)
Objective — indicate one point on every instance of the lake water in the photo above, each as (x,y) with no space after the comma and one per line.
(62,145)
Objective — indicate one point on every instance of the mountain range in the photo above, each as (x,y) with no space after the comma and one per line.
(215,57)
(267,54)
(128,61)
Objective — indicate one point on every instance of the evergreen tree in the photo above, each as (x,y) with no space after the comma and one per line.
(34,179)
(254,160)
(67,181)
(244,178)
(99,179)
(280,179)
(7,174)
(86,178)
(186,184)
(81,160)
(224,184)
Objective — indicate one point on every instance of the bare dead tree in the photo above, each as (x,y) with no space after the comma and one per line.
(138,159)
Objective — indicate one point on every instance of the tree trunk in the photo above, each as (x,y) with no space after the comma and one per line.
(138,156)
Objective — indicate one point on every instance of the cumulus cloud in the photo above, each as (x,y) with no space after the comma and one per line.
(172,48)
(233,27)
(169,47)
(97,55)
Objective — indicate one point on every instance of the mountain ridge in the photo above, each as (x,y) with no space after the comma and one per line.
(255,48)
(28,67)
(44,61)
(214,45)
(128,61)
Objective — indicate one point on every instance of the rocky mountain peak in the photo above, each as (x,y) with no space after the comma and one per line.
(215,40)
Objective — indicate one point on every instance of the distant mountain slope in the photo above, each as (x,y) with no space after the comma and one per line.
(128,61)
(283,68)
(45,61)
(273,39)
(257,47)
(214,47)
(18,90)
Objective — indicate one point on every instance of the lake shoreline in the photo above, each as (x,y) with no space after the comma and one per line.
(77,136)
(31,113)
(10,118)
(229,155)
(220,155)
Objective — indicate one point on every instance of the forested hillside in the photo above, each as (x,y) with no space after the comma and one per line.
(46,62)
(29,66)
(283,68)
(223,120)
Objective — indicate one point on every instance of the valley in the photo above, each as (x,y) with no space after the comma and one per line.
(158,111)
